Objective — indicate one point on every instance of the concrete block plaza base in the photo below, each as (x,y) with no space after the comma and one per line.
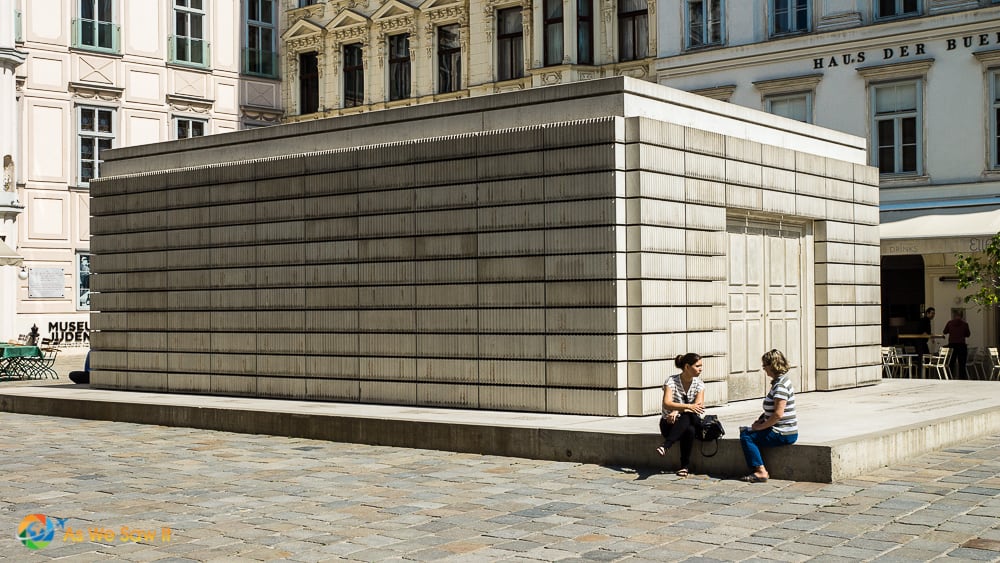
(843,433)
(546,251)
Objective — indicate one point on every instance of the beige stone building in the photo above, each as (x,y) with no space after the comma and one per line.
(80,77)
(548,250)
(349,56)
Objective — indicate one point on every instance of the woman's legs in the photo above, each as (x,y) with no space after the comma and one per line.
(673,432)
(687,439)
(752,441)
(681,431)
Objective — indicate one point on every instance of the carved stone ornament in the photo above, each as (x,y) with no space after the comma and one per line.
(552,78)
(341,5)
(508,87)
(314,11)
(188,104)
(352,34)
(260,116)
(634,72)
(454,12)
(307,43)
(96,92)
(608,10)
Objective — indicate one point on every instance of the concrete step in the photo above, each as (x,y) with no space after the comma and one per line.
(842,433)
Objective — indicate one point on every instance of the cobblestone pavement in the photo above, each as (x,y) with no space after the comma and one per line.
(230,497)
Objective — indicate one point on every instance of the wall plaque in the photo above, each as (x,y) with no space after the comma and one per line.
(46,283)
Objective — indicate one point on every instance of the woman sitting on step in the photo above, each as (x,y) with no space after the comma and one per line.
(683,403)
(777,425)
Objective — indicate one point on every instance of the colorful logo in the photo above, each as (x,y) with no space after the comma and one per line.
(36,531)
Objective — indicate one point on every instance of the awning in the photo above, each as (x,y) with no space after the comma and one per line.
(938,230)
(8,257)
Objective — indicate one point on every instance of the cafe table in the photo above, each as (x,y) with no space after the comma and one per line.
(15,360)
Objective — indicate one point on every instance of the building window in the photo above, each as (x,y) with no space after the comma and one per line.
(260,57)
(188,45)
(790,16)
(304,3)
(584,32)
(553,38)
(354,76)
(633,30)
(704,22)
(95,28)
(995,117)
(449,59)
(308,83)
(83,282)
(399,67)
(96,132)
(792,106)
(510,44)
(187,128)
(897,128)
(896,8)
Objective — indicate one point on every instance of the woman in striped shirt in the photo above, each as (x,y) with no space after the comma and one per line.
(777,425)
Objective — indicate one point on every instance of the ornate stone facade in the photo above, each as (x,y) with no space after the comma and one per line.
(326,28)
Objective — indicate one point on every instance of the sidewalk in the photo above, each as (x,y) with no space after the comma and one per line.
(842,433)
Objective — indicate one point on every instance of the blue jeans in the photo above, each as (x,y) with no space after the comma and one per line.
(753,440)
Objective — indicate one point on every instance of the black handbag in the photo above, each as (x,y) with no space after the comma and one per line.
(708,429)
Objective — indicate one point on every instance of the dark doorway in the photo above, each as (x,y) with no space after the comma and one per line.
(902,296)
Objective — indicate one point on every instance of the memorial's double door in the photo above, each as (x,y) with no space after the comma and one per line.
(766,266)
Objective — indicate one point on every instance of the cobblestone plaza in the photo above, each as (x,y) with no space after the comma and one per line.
(227,497)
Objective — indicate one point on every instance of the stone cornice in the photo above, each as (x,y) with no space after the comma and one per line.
(352,34)
(96,91)
(12,58)
(897,70)
(722,93)
(180,102)
(988,58)
(300,44)
(787,85)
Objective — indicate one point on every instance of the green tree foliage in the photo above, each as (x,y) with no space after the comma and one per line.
(981,272)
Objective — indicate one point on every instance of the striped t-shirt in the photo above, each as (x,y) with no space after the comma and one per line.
(677,390)
(781,388)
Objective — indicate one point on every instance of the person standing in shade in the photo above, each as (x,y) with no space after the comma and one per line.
(925,329)
(777,425)
(958,330)
(683,403)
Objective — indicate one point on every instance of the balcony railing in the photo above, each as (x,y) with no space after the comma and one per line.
(259,62)
(96,35)
(189,51)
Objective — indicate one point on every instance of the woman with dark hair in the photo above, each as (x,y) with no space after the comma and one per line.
(683,403)
(777,425)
